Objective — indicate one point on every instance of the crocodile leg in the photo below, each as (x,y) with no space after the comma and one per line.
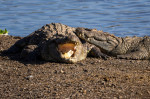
(93,51)
(96,52)
(30,53)
(140,54)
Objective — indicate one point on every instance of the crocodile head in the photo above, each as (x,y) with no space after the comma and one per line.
(67,49)
(105,41)
(87,34)
(67,46)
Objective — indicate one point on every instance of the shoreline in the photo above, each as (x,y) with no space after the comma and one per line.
(90,78)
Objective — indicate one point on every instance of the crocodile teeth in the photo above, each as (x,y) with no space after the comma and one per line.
(68,54)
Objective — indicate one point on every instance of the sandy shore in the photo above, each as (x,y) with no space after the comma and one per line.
(89,79)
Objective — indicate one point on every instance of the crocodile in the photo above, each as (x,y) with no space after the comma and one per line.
(54,42)
(134,48)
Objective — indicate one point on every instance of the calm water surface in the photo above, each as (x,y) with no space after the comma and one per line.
(120,17)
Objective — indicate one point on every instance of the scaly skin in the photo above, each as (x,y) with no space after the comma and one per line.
(121,47)
(54,42)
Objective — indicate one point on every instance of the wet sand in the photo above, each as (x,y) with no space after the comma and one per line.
(93,78)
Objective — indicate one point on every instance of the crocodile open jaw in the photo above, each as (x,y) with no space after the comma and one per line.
(67,50)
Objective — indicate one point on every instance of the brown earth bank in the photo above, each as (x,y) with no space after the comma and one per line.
(92,78)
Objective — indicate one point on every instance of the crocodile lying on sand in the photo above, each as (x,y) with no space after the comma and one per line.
(54,42)
(120,47)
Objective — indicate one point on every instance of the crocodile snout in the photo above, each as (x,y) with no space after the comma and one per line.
(80,33)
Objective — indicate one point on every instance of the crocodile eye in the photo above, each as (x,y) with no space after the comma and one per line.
(67,49)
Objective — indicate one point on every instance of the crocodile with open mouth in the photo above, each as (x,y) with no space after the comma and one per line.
(121,47)
(55,42)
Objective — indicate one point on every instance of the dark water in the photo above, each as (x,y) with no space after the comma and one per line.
(120,17)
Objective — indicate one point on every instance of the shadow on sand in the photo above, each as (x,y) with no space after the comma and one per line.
(16,57)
